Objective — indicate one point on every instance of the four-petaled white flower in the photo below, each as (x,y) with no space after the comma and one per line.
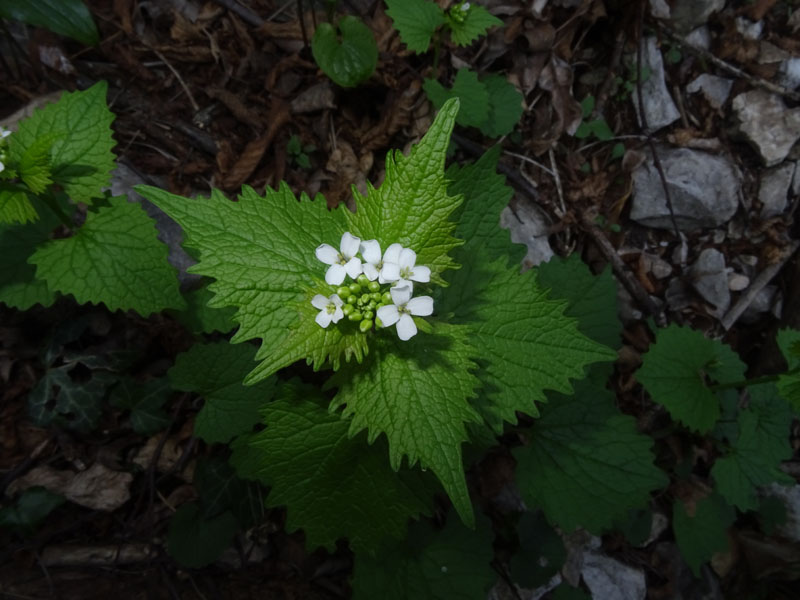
(385,269)
(409,271)
(400,312)
(343,262)
(330,309)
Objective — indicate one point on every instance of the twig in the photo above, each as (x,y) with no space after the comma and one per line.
(247,15)
(186,89)
(526,159)
(763,278)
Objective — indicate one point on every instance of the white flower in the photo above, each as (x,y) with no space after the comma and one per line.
(465,7)
(400,312)
(4,133)
(342,262)
(2,167)
(409,271)
(330,309)
(383,269)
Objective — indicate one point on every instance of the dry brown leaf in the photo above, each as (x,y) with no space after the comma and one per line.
(235,104)
(396,114)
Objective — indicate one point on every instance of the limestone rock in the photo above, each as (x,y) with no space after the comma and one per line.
(768,124)
(710,279)
(773,193)
(659,108)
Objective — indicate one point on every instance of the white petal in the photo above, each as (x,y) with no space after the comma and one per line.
(401,294)
(392,254)
(370,271)
(335,274)
(349,245)
(337,315)
(2,167)
(323,318)
(389,272)
(388,315)
(404,283)
(336,300)
(320,302)
(421,274)
(327,254)
(353,267)
(422,306)
(406,328)
(408,258)
(371,251)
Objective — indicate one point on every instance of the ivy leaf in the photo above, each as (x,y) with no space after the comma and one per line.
(417,394)
(348,53)
(195,541)
(472,94)
(412,206)
(453,563)
(80,159)
(586,464)
(505,106)
(115,258)
(199,317)
(15,207)
(789,383)
(762,443)
(416,20)
(220,490)
(675,372)
(215,372)
(30,509)
(59,400)
(474,24)
(592,298)
(334,486)
(145,401)
(70,18)
(701,529)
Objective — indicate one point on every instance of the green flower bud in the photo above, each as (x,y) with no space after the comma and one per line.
(355,316)
(376,296)
(378,323)
(368,314)
(374,286)
(362,279)
(365,325)
(350,299)
(365,298)
(354,288)
(348,308)
(379,305)
(386,298)
(343,292)
(372,305)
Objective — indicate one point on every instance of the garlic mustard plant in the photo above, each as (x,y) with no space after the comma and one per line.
(330,309)
(343,262)
(401,310)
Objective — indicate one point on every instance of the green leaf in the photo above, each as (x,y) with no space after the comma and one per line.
(676,371)
(416,20)
(30,509)
(416,393)
(587,106)
(586,464)
(601,130)
(789,383)
(260,251)
(541,552)
(334,486)
(199,317)
(473,95)
(474,24)
(80,157)
(701,530)
(15,206)
(115,258)
(453,563)
(34,164)
(59,400)
(145,401)
(219,490)
(505,106)
(592,298)
(70,18)
(412,206)
(195,541)
(762,443)
(215,372)
(347,54)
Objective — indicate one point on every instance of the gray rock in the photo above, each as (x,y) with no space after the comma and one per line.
(528,226)
(699,38)
(704,189)
(609,578)
(715,89)
(789,73)
(773,193)
(768,124)
(688,14)
(738,282)
(762,303)
(709,278)
(749,29)
(660,9)
(659,108)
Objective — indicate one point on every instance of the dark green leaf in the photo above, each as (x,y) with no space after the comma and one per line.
(348,56)
(70,18)
(196,542)
(30,509)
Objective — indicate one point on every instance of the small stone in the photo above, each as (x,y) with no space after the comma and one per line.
(608,578)
(715,89)
(657,266)
(659,108)
(768,124)
(773,193)
(761,304)
(659,9)
(749,29)
(709,278)
(699,38)
(789,73)
(738,282)
(528,225)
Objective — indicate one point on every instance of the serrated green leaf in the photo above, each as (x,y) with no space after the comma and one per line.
(789,383)
(417,394)
(453,563)
(199,317)
(416,20)
(145,401)
(704,532)
(334,486)
(81,160)
(30,509)
(34,164)
(348,53)
(15,207)
(676,370)
(59,400)
(472,94)
(758,449)
(541,552)
(70,18)
(473,25)
(412,206)
(586,465)
(115,258)
(219,489)
(196,542)
(215,372)
(592,298)
(505,106)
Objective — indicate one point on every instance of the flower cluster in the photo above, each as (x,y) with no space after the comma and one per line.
(4,133)
(365,300)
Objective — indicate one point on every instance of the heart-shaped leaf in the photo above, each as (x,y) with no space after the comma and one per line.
(349,55)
